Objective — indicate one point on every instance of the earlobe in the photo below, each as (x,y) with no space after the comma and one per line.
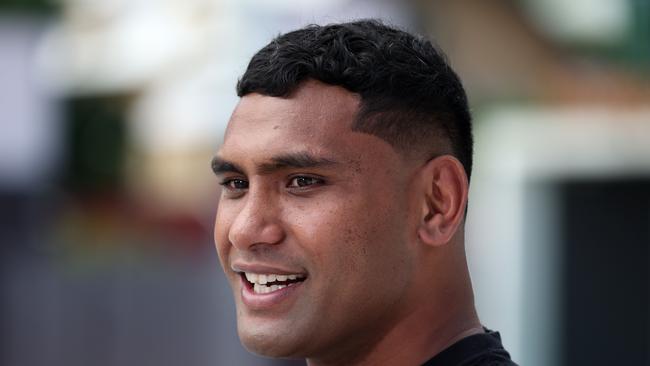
(443,200)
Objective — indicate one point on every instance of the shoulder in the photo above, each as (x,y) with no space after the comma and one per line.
(484,349)
(492,358)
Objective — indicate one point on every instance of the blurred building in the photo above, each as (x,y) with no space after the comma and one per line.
(112,111)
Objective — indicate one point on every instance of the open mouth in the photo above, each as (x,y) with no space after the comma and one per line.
(267,283)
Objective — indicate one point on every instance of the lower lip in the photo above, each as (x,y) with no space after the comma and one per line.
(268,300)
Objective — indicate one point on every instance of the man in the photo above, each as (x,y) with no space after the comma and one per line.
(345,170)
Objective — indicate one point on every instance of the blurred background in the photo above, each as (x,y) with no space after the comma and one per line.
(112,109)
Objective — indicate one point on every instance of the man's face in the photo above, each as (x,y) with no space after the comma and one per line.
(308,199)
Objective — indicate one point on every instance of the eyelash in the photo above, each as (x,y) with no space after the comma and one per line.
(228,183)
(317,181)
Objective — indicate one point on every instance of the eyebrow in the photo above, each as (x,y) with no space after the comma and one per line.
(298,160)
(220,166)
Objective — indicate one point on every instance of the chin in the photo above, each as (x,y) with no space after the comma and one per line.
(270,344)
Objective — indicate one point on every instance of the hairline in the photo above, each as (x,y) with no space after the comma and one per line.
(422,151)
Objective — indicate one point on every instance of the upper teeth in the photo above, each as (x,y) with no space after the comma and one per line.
(263,279)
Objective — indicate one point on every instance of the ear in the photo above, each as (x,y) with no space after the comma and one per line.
(443,200)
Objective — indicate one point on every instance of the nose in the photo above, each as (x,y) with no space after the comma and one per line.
(257,223)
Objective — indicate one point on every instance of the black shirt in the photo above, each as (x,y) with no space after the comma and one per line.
(484,349)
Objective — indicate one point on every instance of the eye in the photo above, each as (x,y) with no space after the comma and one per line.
(302,181)
(235,184)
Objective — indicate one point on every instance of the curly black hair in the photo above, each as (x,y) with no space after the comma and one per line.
(410,96)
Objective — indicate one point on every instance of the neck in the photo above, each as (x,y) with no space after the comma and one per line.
(435,318)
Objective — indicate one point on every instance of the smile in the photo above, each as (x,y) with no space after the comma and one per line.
(267,283)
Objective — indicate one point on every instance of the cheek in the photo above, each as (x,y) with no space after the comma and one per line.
(221,226)
(351,230)
(322,228)
(323,221)
(380,236)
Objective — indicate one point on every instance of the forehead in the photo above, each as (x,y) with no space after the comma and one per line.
(315,117)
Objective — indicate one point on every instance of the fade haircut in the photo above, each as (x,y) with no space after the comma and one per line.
(410,96)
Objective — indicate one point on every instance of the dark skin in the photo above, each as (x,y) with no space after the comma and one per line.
(376,235)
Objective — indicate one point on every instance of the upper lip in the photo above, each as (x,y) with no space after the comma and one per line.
(263,269)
